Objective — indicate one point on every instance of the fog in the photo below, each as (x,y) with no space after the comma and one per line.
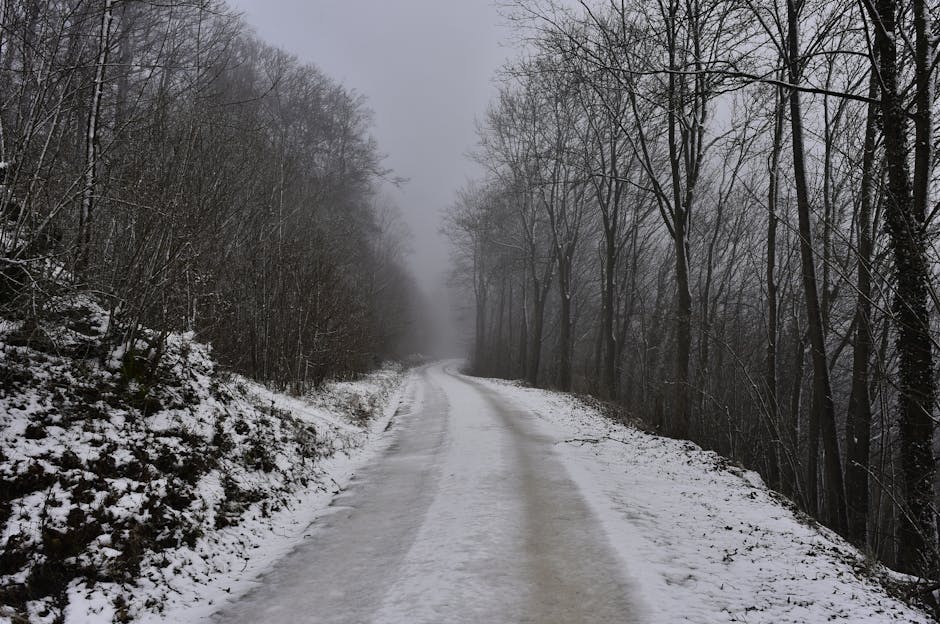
(426,67)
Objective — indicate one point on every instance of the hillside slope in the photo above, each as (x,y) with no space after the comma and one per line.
(137,483)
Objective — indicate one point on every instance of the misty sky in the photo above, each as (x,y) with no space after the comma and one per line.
(426,67)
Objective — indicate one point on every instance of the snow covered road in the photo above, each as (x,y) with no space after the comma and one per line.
(500,504)
(468,517)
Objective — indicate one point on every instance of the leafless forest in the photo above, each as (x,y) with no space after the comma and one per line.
(159,155)
(721,214)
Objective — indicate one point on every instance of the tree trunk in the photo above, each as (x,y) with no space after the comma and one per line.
(905,216)
(683,338)
(524,333)
(770,372)
(609,374)
(92,140)
(564,335)
(791,476)
(535,339)
(681,417)
(823,407)
(480,292)
(858,419)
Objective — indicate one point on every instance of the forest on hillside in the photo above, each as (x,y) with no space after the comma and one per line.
(159,157)
(721,214)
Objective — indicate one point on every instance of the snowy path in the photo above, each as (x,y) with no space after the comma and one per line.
(468,517)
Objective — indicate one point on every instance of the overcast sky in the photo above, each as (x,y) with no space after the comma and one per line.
(426,67)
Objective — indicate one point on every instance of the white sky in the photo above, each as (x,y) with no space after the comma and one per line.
(426,67)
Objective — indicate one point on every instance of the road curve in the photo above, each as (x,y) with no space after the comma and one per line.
(468,517)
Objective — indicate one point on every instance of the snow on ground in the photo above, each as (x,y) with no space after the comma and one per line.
(144,485)
(228,562)
(469,518)
(705,541)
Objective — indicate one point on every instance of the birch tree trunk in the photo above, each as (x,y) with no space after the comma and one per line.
(92,139)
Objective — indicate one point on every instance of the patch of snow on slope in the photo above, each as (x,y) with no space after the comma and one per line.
(144,485)
(705,541)
(226,563)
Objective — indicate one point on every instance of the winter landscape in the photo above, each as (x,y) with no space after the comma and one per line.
(545,311)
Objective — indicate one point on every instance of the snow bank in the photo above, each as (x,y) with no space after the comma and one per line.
(705,541)
(138,486)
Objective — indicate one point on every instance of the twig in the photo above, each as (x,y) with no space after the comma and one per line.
(595,440)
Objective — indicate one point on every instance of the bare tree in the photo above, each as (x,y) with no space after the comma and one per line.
(905,213)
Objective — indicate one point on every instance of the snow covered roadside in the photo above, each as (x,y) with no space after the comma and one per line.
(148,486)
(189,583)
(704,541)
(226,564)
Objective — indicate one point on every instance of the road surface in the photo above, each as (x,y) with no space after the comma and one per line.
(467,517)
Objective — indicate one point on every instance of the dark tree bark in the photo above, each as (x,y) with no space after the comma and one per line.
(905,216)
(608,333)
(858,419)
(564,334)
(770,371)
(540,288)
(480,294)
(823,407)
(524,332)
(682,415)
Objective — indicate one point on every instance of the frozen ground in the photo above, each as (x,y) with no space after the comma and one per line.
(496,503)
(227,563)
(469,500)
(469,517)
(144,487)
(703,541)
